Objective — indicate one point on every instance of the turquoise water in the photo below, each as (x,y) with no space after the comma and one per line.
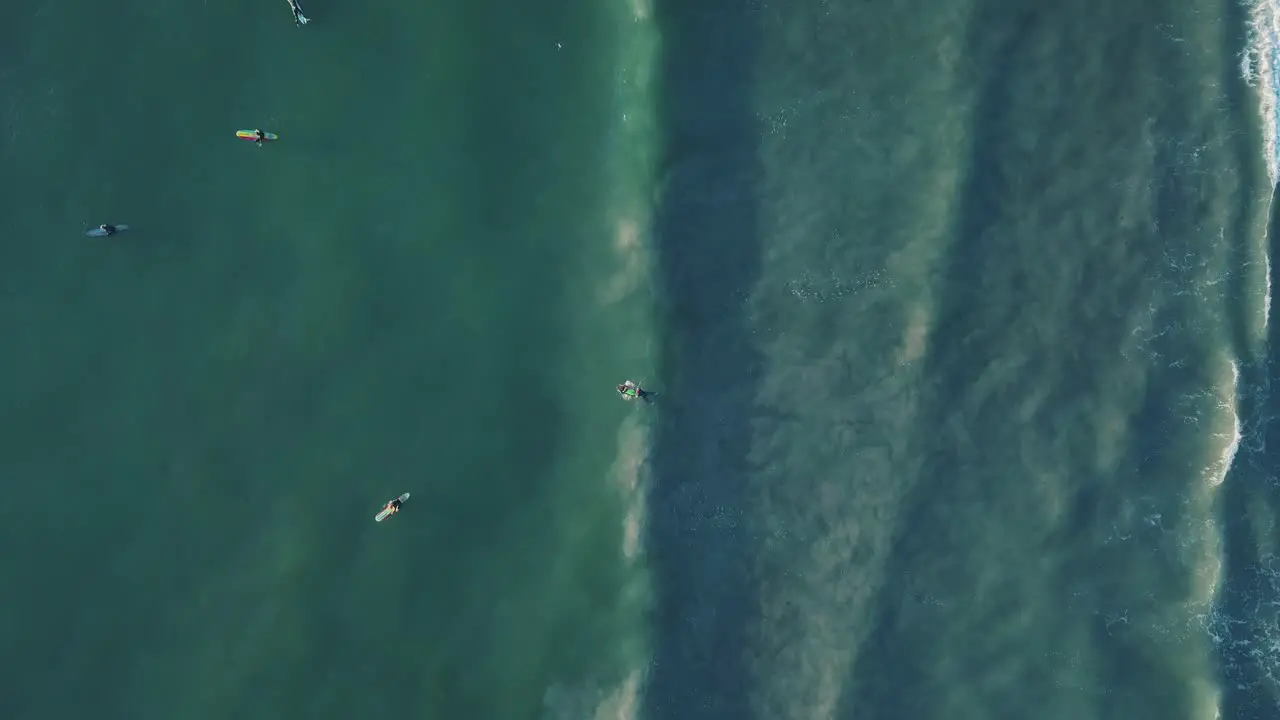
(207,411)
(958,318)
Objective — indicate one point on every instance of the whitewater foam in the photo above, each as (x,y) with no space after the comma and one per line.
(1216,472)
(1258,67)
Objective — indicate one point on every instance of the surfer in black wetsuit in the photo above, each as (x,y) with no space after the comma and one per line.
(259,137)
(393,507)
(108,229)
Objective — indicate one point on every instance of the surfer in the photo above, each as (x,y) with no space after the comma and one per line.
(298,17)
(259,137)
(107,230)
(631,391)
(391,508)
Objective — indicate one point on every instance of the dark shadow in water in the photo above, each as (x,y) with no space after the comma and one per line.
(708,259)
(1244,620)
(888,678)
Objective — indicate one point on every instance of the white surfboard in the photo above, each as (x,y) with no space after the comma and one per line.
(298,17)
(386,512)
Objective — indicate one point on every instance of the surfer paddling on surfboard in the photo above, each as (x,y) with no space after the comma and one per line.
(631,391)
(298,17)
(391,508)
(105,230)
(257,137)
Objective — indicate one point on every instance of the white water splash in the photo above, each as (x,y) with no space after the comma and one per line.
(1258,67)
(1266,301)
(1216,472)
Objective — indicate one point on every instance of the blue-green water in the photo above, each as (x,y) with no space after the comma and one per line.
(957,315)
(408,292)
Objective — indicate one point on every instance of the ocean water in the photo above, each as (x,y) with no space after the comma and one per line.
(421,287)
(957,315)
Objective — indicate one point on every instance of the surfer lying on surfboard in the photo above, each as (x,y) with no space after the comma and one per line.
(631,391)
(105,230)
(391,508)
(298,17)
(258,137)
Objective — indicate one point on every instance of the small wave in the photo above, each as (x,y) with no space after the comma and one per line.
(1217,471)
(633,449)
(1266,300)
(589,702)
(633,151)
(1258,67)
(633,258)
(630,159)
(594,699)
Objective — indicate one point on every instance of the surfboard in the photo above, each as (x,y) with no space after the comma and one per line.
(251,135)
(386,512)
(99,232)
(298,17)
